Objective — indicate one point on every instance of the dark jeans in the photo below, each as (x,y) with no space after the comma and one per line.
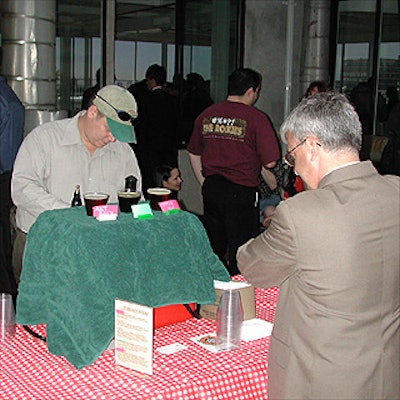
(230,217)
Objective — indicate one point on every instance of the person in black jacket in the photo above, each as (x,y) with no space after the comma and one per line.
(157,126)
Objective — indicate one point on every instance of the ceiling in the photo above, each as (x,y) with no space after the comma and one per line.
(135,19)
(359,27)
(154,20)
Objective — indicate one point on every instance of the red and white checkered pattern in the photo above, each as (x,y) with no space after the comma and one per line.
(29,371)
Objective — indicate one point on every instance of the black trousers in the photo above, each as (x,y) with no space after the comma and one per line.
(230,217)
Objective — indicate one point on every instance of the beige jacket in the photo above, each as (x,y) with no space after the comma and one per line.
(334,253)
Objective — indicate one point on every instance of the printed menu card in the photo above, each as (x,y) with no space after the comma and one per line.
(134,336)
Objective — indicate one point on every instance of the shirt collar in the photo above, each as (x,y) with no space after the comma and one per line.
(71,133)
(342,166)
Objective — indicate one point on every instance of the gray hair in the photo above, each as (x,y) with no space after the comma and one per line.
(329,117)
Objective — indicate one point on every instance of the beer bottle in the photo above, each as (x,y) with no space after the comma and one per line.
(76,199)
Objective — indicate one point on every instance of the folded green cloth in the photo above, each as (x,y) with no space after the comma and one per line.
(75,266)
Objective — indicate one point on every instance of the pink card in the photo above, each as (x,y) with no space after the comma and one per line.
(169,205)
(109,209)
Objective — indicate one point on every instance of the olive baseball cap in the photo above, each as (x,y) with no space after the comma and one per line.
(119,107)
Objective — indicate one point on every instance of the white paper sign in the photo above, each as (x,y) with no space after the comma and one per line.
(134,336)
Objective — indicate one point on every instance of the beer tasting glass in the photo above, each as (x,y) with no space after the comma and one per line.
(93,199)
(156,195)
(127,199)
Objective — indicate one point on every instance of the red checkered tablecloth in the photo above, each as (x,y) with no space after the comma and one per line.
(29,371)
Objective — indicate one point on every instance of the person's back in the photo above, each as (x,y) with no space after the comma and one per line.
(138,90)
(235,157)
(350,282)
(361,97)
(160,115)
(231,142)
(333,250)
(195,99)
(390,160)
(392,98)
(158,122)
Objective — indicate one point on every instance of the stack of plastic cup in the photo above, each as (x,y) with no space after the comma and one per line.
(7,317)
(229,320)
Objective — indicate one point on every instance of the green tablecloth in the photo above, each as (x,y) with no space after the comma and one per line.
(75,266)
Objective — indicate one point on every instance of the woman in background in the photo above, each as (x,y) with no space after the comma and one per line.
(316,87)
(168,177)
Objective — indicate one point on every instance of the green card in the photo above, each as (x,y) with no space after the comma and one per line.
(142,211)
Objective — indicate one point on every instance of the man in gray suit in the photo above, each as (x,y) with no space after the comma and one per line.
(334,252)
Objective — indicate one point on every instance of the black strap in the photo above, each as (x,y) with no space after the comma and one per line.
(33,333)
(194,313)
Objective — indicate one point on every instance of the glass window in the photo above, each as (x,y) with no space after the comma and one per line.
(198,38)
(211,41)
(170,62)
(125,55)
(147,54)
(78,74)
(145,33)
(96,57)
(356,39)
(389,64)
(355,44)
(201,61)
(368,62)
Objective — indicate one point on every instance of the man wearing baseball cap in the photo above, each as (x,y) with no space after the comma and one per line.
(91,150)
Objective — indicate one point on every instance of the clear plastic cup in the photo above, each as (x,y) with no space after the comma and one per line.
(7,316)
(229,320)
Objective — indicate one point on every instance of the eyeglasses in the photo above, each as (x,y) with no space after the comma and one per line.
(122,115)
(288,157)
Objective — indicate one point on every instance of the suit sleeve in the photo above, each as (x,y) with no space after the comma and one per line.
(270,258)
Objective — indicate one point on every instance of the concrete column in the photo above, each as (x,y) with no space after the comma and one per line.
(65,72)
(221,10)
(29,58)
(316,39)
(108,41)
(28,42)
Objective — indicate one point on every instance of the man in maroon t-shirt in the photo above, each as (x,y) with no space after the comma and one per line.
(231,142)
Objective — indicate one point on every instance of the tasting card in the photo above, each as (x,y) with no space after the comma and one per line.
(142,211)
(169,206)
(134,336)
(107,212)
